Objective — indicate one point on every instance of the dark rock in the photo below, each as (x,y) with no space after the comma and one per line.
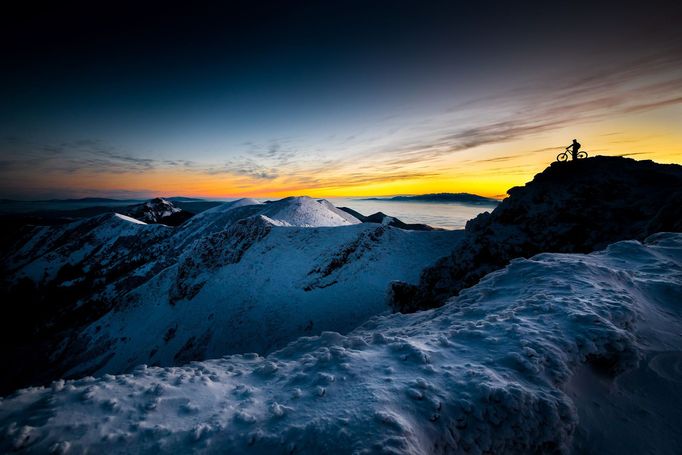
(382,218)
(159,211)
(573,207)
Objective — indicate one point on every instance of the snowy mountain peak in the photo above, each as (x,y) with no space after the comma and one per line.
(242,202)
(159,201)
(228,206)
(216,219)
(161,204)
(300,211)
(304,211)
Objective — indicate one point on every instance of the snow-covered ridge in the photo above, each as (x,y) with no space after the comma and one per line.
(492,371)
(241,277)
(97,242)
(292,211)
(255,287)
(300,211)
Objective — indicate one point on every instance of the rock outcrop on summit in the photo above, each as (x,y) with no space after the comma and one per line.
(573,207)
(159,211)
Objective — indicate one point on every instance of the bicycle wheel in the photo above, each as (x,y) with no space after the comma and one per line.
(563,156)
(582,155)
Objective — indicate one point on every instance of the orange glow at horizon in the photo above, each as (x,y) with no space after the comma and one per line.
(487,170)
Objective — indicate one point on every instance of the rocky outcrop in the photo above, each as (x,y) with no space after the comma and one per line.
(214,251)
(159,211)
(574,207)
(323,275)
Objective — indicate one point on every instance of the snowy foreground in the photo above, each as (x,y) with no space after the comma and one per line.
(556,353)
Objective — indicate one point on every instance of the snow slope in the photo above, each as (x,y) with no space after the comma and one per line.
(306,212)
(292,211)
(215,219)
(111,292)
(128,219)
(509,366)
(253,288)
(99,242)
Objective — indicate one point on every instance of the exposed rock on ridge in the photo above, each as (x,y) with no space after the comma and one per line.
(574,207)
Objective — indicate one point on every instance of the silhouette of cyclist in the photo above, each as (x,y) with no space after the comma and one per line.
(574,147)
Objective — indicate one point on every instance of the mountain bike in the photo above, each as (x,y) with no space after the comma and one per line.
(565,155)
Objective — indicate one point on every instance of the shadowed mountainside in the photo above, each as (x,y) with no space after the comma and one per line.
(107,293)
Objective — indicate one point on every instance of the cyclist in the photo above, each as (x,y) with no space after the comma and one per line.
(574,147)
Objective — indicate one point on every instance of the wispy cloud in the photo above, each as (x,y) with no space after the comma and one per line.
(244,167)
(540,107)
(95,156)
(393,151)
(89,155)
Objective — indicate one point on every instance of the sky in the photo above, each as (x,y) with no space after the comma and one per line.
(329,99)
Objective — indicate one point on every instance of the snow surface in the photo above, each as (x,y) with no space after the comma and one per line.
(511,365)
(299,211)
(292,211)
(241,277)
(256,287)
(128,218)
(97,242)
(215,219)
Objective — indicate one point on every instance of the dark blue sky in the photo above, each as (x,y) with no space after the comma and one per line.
(222,87)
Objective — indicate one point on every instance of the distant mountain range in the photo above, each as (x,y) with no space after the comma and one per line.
(462,198)
(103,200)
(62,210)
(92,199)
(382,218)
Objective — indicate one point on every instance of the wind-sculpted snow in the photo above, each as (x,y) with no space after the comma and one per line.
(486,373)
(307,212)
